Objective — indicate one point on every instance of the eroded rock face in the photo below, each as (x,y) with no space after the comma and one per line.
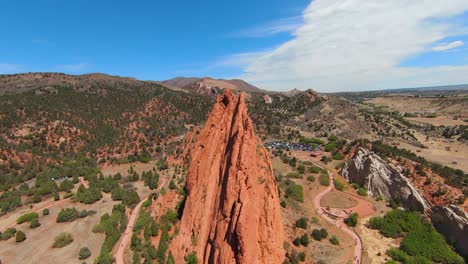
(452,222)
(382,178)
(232,212)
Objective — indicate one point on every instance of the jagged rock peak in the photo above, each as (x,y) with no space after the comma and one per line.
(232,212)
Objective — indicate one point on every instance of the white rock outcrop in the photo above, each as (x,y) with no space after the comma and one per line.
(382,178)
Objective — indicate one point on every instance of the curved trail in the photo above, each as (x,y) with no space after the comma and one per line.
(127,235)
(119,255)
(339,222)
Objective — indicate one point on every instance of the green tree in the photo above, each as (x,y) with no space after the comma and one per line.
(301,223)
(334,240)
(84,253)
(20,236)
(34,223)
(66,186)
(352,220)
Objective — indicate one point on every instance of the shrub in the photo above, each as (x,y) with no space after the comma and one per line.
(311,178)
(84,253)
(305,240)
(338,185)
(314,169)
(324,180)
(352,220)
(301,223)
(297,241)
(56,196)
(314,220)
(319,234)
(334,240)
(62,240)
(172,185)
(296,192)
(9,233)
(283,203)
(67,215)
(45,212)
(301,169)
(337,156)
(34,223)
(362,191)
(20,236)
(294,175)
(26,218)
(192,258)
(66,186)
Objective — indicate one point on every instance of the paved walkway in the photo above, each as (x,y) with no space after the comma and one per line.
(339,222)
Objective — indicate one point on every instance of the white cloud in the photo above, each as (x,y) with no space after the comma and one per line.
(283,25)
(448,46)
(358,45)
(8,68)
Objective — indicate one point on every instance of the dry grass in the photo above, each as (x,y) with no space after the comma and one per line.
(442,151)
(338,200)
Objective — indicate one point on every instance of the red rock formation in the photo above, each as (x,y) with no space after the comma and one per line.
(232,212)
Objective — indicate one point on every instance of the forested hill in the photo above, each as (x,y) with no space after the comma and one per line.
(47,118)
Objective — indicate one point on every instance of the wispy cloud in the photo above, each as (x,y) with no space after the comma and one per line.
(284,25)
(73,68)
(359,45)
(8,68)
(448,46)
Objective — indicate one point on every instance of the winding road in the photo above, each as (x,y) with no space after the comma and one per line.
(338,222)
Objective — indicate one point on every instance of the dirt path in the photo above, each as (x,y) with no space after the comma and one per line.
(84,183)
(339,222)
(127,235)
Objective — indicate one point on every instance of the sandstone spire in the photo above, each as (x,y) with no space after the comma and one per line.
(232,212)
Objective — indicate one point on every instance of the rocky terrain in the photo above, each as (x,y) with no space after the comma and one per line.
(416,189)
(383,179)
(231,214)
(452,222)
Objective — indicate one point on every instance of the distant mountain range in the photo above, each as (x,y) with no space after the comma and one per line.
(209,86)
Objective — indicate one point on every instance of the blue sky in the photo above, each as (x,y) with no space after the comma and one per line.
(145,39)
(327,45)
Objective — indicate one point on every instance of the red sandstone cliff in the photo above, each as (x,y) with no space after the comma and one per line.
(232,212)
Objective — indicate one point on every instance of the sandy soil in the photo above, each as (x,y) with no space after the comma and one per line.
(441,151)
(37,248)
